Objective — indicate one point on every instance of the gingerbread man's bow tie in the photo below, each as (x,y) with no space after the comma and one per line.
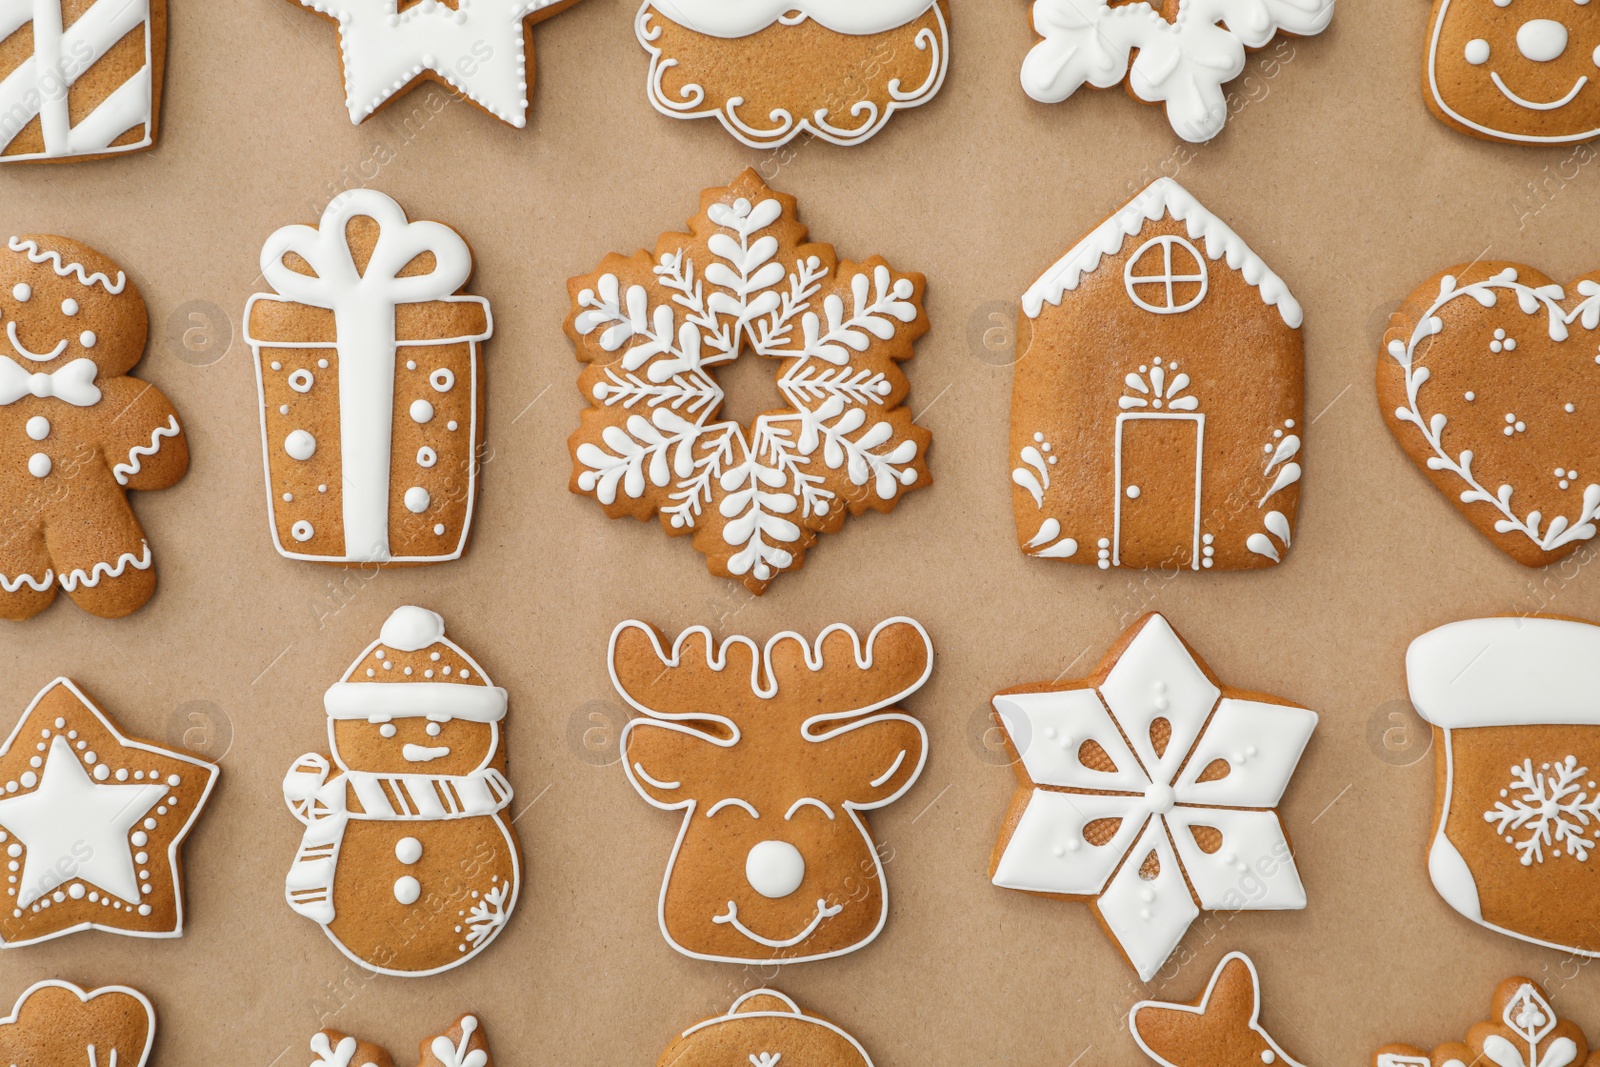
(73,383)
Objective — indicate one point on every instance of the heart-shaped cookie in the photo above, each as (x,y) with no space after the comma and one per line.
(56,1024)
(1491,382)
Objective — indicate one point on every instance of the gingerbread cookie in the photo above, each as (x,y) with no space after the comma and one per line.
(80,79)
(479,49)
(652,329)
(1491,384)
(774,69)
(368,369)
(1514,74)
(1220,1029)
(76,431)
(408,860)
(1516,842)
(774,755)
(463,1045)
(1182,52)
(1169,461)
(56,1024)
(1522,1030)
(1147,790)
(763,1028)
(93,822)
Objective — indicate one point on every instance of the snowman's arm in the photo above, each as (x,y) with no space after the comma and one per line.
(143,442)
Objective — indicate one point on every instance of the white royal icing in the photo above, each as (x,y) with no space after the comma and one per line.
(64,268)
(1506,671)
(127,469)
(790,1013)
(1271,1056)
(719,18)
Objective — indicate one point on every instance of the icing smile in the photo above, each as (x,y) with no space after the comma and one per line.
(423,753)
(37,357)
(731,917)
(1551,106)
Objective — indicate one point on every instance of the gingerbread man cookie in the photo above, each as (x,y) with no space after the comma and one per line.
(56,1024)
(1220,1029)
(76,432)
(1522,1030)
(762,1029)
(463,1045)
(408,861)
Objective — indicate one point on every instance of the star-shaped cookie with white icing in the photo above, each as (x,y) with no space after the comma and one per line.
(482,49)
(91,823)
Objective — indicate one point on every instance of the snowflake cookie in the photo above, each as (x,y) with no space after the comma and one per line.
(93,822)
(653,328)
(1516,841)
(1490,382)
(1182,51)
(1147,790)
(463,1045)
(764,1028)
(1522,1030)
(56,1024)
(1220,1029)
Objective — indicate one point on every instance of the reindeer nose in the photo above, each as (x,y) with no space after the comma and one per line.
(774,868)
(1542,40)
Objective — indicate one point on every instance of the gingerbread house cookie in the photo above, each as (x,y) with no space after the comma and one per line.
(1156,415)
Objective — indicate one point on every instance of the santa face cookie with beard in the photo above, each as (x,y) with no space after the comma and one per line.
(408,860)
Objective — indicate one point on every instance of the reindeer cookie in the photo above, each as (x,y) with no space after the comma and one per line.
(463,1045)
(773,754)
(1523,1030)
(1221,1029)
(56,1024)
(76,432)
(764,1028)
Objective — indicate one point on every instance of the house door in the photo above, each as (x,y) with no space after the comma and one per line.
(1157,521)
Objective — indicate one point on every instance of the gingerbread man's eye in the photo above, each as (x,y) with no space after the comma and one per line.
(22,291)
(69,307)
(1477,51)
(87,338)
(387,729)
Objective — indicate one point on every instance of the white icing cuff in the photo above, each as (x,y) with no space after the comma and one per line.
(1508,671)
(363,700)
(722,18)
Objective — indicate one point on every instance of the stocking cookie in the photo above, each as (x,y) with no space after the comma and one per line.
(774,755)
(368,370)
(653,328)
(463,1045)
(1491,384)
(1147,790)
(408,860)
(1514,74)
(76,431)
(774,69)
(1522,1030)
(109,53)
(763,1028)
(1220,1029)
(1133,440)
(56,1024)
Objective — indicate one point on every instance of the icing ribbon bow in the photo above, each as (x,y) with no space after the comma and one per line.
(73,383)
(363,304)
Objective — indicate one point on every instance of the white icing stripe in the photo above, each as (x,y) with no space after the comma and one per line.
(38,585)
(1506,671)
(361,700)
(720,18)
(1163,197)
(123,471)
(30,248)
(92,576)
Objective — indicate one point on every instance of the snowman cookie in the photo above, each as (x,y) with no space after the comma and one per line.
(408,860)
(76,432)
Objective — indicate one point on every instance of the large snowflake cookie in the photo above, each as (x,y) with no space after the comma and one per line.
(1182,52)
(408,860)
(465,1044)
(771,70)
(56,1024)
(1156,415)
(80,79)
(1516,718)
(1522,1030)
(653,328)
(368,371)
(1147,790)
(764,1028)
(76,431)
(774,755)
(1522,74)
(481,49)
(93,822)
(1222,1028)
(1490,382)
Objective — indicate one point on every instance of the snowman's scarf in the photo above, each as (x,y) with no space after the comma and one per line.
(325,809)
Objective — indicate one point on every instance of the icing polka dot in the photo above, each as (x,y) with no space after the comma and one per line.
(453,425)
(426,457)
(69,307)
(102,772)
(39,427)
(302,380)
(300,445)
(411,364)
(438,529)
(421,412)
(442,380)
(322,363)
(87,338)
(276,365)
(22,291)
(302,531)
(417,500)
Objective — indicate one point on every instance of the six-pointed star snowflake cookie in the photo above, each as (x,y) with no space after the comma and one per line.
(479,48)
(653,328)
(91,823)
(1147,790)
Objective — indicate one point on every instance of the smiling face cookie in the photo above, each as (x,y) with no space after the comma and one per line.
(1520,71)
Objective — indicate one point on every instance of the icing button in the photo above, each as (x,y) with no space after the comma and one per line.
(39,465)
(407,890)
(38,428)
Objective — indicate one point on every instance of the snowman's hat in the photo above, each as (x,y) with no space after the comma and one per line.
(465,695)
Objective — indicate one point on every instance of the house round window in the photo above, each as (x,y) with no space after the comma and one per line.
(1167,275)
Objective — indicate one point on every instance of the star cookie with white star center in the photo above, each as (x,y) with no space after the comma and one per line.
(481,49)
(91,824)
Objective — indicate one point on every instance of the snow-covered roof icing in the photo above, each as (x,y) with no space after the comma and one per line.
(1159,199)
